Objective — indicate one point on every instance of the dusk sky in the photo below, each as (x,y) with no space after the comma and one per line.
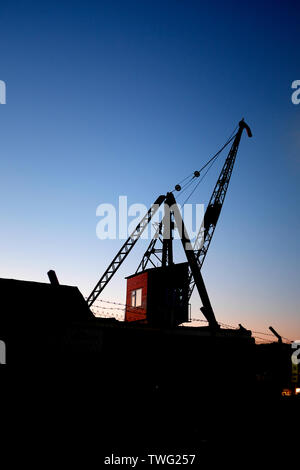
(123,97)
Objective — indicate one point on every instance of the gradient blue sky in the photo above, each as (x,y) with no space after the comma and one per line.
(127,97)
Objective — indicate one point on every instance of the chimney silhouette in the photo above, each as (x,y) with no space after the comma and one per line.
(53,278)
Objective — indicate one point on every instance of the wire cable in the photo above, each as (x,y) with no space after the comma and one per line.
(192,192)
(207,163)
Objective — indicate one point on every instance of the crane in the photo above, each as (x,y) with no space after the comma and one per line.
(195,255)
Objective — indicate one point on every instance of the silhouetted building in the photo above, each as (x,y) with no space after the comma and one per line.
(35,316)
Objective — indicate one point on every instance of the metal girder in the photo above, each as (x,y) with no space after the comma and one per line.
(164,235)
(151,250)
(276,334)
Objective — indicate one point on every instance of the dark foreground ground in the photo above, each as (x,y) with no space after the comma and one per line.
(61,422)
(77,389)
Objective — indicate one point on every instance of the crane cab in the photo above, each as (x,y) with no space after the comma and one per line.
(158,296)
